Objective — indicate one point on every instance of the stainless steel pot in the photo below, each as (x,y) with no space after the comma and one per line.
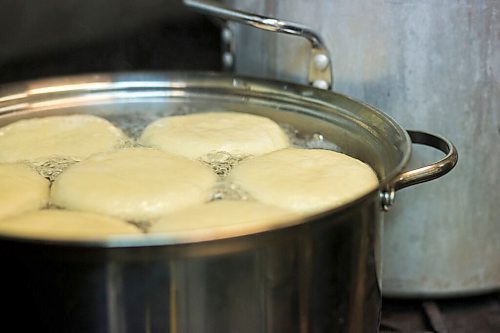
(430,65)
(321,274)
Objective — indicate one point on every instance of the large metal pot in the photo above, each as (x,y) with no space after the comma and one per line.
(429,64)
(321,274)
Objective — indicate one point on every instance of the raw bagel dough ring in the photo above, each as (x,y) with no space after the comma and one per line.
(222,217)
(305,180)
(21,189)
(137,184)
(196,135)
(65,225)
(74,136)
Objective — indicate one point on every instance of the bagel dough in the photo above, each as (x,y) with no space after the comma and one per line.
(63,224)
(21,189)
(221,217)
(305,180)
(196,135)
(137,184)
(74,136)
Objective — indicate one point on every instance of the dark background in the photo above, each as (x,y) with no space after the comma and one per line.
(60,37)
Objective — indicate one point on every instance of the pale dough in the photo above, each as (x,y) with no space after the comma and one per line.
(218,218)
(65,225)
(21,189)
(74,136)
(196,135)
(305,180)
(138,184)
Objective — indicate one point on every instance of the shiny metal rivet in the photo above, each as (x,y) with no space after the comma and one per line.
(227,60)
(387,198)
(321,84)
(321,62)
(227,35)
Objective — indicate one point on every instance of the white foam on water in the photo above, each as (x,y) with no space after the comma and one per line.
(53,167)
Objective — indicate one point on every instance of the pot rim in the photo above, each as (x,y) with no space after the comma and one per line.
(18,96)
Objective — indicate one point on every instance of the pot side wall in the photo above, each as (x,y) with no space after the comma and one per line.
(317,277)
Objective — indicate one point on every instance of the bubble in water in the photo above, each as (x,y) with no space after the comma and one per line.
(291,132)
(132,124)
(317,141)
(222,162)
(311,141)
(318,137)
(225,190)
(53,167)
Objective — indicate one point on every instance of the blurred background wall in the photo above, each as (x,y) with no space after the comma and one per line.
(58,37)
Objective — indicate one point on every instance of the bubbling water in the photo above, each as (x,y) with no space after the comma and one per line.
(226,190)
(310,141)
(133,123)
(221,162)
(53,167)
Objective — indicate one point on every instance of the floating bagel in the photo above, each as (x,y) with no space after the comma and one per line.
(73,136)
(137,184)
(196,135)
(304,180)
(221,217)
(66,225)
(21,189)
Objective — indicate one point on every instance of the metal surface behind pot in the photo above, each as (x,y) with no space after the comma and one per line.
(315,275)
(431,65)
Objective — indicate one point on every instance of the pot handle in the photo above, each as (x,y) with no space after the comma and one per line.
(426,173)
(320,69)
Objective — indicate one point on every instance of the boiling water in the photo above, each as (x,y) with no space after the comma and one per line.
(221,162)
(132,124)
(53,167)
(227,190)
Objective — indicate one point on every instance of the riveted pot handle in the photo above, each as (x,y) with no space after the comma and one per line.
(320,68)
(426,173)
